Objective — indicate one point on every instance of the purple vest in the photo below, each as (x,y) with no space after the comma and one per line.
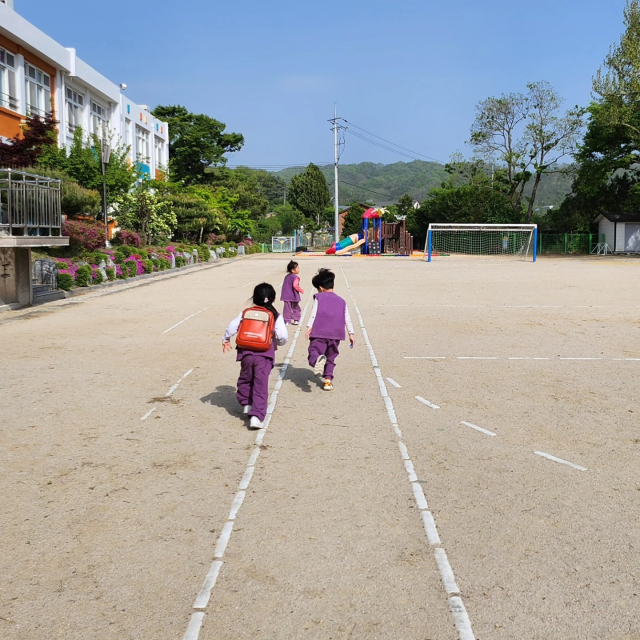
(329,321)
(289,294)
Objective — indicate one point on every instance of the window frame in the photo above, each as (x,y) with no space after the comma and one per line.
(42,91)
(74,102)
(8,78)
(143,135)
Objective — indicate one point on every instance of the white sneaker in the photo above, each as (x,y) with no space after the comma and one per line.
(318,367)
(255,423)
(294,322)
(246,409)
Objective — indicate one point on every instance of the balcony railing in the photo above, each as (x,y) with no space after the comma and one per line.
(9,102)
(29,204)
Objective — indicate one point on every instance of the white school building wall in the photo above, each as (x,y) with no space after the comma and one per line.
(38,74)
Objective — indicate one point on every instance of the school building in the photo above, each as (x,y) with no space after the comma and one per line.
(39,75)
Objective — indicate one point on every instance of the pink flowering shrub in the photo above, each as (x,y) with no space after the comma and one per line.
(129,238)
(84,234)
(138,262)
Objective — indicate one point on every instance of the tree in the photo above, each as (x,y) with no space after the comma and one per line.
(82,163)
(141,211)
(352,222)
(74,199)
(309,193)
(524,151)
(245,184)
(196,141)
(25,149)
(290,219)
(617,82)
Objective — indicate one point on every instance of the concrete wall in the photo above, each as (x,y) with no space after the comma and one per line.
(606,227)
(15,268)
(620,236)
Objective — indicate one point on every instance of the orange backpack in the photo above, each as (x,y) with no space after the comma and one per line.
(256,329)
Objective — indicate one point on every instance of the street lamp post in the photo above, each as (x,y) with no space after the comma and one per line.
(105,157)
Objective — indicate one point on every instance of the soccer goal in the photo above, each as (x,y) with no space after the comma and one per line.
(283,244)
(510,241)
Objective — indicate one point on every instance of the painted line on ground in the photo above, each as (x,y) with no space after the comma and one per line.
(146,415)
(181,321)
(429,404)
(177,384)
(394,383)
(425,357)
(580,358)
(477,428)
(202,599)
(517,358)
(560,460)
(476,357)
(458,611)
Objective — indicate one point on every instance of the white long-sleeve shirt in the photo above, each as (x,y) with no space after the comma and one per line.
(347,317)
(282,335)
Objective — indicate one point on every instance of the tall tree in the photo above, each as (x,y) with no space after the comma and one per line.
(308,192)
(196,141)
(527,136)
(25,149)
(617,82)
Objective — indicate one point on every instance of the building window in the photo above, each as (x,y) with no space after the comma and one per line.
(159,150)
(38,91)
(99,121)
(8,92)
(142,145)
(127,136)
(75,106)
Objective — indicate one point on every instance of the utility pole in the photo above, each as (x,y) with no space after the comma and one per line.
(336,158)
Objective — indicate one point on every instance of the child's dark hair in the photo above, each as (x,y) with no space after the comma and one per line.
(291,266)
(263,296)
(324,278)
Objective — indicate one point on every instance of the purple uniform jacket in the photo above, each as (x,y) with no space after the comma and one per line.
(289,294)
(329,321)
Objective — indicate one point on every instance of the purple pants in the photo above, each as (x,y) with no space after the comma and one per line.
(253,383)
(291,312)
(324,347)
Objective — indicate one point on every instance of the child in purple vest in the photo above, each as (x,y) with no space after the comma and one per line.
(255,366)
(325,328)
(291,294)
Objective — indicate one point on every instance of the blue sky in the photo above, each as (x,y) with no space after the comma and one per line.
(410,71)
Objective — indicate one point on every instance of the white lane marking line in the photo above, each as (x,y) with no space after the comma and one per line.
(446,572)
(202,599)
(477,428)
(246,284)
(580,358)
(461,618)
(429,404)
(181,321)
(223,540)
(418,494)
(425,357)
(209,582)
(236,504)
(394,383)
(550,457)
(457,607)
(146,415)
(193,630)
(476,357)
(408,465)
(430,527)
(177,384)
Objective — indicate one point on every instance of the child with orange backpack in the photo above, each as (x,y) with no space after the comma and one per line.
(258,329)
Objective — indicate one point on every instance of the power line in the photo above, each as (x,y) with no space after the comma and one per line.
(384,195)
(415,153)
(276,166)
(382,146)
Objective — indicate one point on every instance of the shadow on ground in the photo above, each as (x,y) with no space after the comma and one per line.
(224,397)
(303,378)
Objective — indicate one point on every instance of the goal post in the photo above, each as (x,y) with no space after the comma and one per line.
(516,241)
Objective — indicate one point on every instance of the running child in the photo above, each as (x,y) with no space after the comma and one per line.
(291,294)
(326,325)
(255,366)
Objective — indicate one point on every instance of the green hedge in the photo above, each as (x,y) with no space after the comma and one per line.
(84,276)
(65,281)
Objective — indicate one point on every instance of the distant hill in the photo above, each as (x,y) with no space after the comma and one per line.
(384,184)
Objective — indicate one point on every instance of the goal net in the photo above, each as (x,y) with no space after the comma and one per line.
(516,241)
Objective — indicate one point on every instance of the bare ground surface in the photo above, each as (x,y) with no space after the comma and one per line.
(109,523)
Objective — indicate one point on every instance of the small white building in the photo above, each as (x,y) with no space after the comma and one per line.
(621,231)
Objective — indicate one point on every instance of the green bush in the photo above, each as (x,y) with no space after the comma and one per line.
(95,257)
(62,265)
(203,253)
(118,257)
(180,261)
(123,275)
(84,276)
(97,277)
(131,268)
(140,252)
(148,266)
(126,251)
(111,274)
(156,264)
(164,264)
(65,281)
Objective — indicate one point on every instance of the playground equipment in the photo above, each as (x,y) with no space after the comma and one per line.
(348,245)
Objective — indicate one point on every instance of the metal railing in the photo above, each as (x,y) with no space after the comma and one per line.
(568,243)
(29,204)
(8,101)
